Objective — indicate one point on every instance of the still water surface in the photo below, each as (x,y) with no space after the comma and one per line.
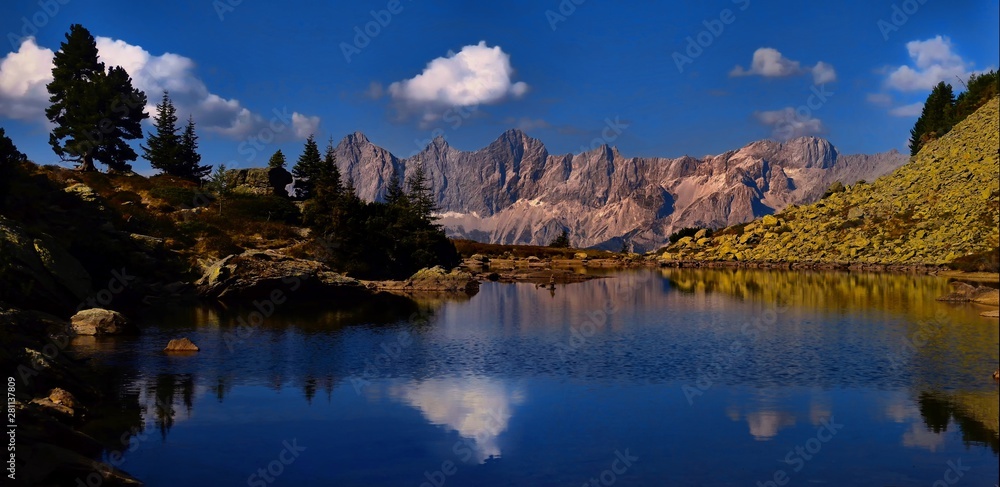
(667,377)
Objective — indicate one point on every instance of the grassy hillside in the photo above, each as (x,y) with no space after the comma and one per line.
(941,207)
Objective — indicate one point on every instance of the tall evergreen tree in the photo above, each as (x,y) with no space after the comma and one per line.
(190,160)
(936,118)
(308,168)
(420,195)
(277,160)
(394,193)
(163,148)
(330,173)
(95,111)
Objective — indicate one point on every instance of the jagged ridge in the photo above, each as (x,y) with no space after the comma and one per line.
(514,191)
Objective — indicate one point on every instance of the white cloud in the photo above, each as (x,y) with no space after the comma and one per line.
(911,110)
(787,124)
(304,126)
(770,63)
(24,74)
(933,62)
(476,75)
(823,73)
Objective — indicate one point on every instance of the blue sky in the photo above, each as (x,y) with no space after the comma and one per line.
(258,76)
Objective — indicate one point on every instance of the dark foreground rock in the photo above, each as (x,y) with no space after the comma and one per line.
(257,274)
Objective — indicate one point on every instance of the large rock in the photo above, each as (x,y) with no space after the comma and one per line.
(258,274)
(262,181)
(97,321)
(181,345)
(434,279)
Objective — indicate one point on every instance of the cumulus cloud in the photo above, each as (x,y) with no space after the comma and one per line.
(24,74)
(475,75)
(911,110)
(823,73)
(933,61)
(787,124)
(770,63)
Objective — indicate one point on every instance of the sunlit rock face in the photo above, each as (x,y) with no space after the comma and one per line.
(515,192)
(478,409)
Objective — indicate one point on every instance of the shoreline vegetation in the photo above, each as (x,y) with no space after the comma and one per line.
(117,242)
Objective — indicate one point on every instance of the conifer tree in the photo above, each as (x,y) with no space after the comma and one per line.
(277,160)
(308,168)
(163,148)
(190,160)
(95,111)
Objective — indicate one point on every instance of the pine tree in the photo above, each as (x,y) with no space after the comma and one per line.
(308,168)
(221,184)
(394,194)
(562,241)
(936,118)
(420,195)
(190,159)
(329,172)
(277,160)
(163,149)
(95,111)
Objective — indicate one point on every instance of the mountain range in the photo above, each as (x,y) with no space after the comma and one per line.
(515,192)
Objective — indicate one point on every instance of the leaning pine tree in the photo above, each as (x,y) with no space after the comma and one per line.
(95,111)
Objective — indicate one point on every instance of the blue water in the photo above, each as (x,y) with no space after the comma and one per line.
(675,377)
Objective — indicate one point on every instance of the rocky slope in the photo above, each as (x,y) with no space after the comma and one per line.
(943,205)
(515,192)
